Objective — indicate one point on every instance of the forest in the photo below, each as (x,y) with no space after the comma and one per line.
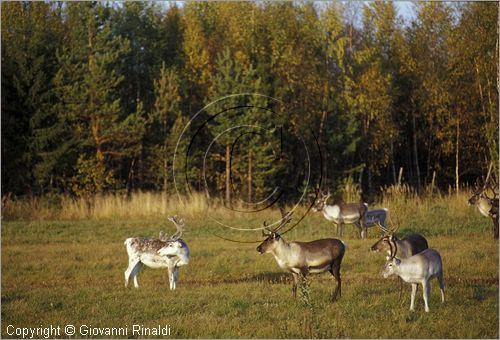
(98,97)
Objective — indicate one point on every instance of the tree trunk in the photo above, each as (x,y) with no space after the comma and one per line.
(228,174)
(130,179)
(369,180)
(165,172)
(415,149)
(457,180)
(400,176)
(249,177)
(433,182)
(325,153)
(393,165)
(479,85)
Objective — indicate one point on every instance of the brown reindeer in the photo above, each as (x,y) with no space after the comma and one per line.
(303,258)
(349,213)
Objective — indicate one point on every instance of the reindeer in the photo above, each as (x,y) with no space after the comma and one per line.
(303,258)
(419,268)
(407,246)
(376,217)
(170,252)
(487,206)
(350,213)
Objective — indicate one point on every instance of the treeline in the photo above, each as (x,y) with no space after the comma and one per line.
(95,95)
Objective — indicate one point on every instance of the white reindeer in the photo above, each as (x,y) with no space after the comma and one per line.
(419,268)
(171,252)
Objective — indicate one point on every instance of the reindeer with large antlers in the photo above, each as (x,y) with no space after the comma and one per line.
(487,205)
(349,213)
(170,252)
(303,258)
(399,248)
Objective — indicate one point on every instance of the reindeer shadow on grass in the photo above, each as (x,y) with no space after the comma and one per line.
(268,277)
(481,292)
(272,277)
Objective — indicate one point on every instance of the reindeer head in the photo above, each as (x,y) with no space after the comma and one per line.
(391,267)
(272,235)
(387,242)
(484,192)
(321,199)
(174,241)
(481,191)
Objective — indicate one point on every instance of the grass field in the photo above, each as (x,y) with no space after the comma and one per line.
(59,272)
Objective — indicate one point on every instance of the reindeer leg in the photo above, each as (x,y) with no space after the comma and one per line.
(414,287)
(426,288)
(495,227)
(128,273)
(400,280)
(362,226)
(441,285)
(176,276)
(296,279)
(335,271)
(171,278)
(134,273)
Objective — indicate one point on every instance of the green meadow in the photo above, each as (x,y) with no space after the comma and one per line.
(59,271)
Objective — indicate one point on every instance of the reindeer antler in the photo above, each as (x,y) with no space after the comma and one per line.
(397,224)
(179,224)
(162,236)
(324,196)
(266,231)
(488,174)
(285,218)
(493,188)
(316,192)
(384,229)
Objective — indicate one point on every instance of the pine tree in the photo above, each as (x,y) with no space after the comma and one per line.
(28,64)
(233,109)
(162,119)
(140,24)
(87,84)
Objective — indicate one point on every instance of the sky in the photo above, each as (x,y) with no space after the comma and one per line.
(405,9)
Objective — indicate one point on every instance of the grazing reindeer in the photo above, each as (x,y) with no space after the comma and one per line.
(419,268)
(303,258)
(171,252)
(350,213)
(487,206)
(407,246)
